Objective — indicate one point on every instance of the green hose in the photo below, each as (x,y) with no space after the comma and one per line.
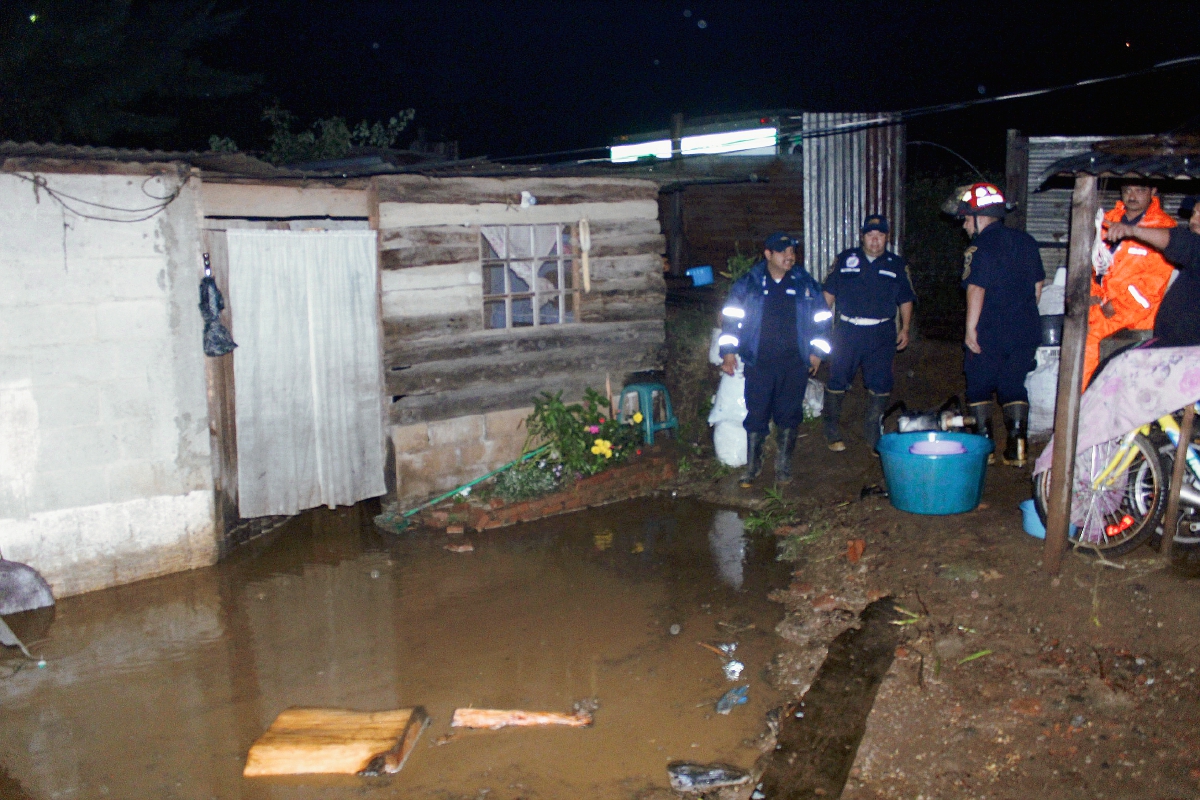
(390,521)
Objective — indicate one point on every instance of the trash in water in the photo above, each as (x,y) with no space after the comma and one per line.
(736,696)
(465,547)
(687,776)
(675,629)
(733,669)
(728,649)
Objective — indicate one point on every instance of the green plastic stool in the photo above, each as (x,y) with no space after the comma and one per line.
(653,402)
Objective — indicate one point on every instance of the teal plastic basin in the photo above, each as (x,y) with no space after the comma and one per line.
(934,484)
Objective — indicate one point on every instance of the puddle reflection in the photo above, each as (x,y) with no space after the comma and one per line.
(159,688)
(727,539)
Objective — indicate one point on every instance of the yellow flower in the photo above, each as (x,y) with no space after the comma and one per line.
(602,447)
(637,417)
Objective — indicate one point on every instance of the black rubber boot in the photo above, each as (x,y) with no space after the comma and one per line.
(832,412)
(754,454)
(1016,424)
(873,421)
(786,439)
(983,424)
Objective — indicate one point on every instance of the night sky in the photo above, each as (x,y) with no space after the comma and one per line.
(533,77)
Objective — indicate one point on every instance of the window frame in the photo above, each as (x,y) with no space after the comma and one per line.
(566,259)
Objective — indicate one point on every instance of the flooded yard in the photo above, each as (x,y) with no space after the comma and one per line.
(158,689)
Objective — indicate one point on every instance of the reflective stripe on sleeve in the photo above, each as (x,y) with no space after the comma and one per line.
(821,345)
(1142,301)
(821,316)
(733,312)
(727,339)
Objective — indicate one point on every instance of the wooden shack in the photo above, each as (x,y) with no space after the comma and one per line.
(469,339)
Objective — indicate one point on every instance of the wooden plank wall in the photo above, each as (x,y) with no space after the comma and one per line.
(719,218)
(439,361)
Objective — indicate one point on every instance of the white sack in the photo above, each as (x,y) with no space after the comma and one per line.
(1042,385)
(729,439)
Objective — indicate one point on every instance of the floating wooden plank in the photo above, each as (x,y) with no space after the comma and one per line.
(309,741)
(494,719)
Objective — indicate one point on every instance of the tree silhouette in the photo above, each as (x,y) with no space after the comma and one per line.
(86,71)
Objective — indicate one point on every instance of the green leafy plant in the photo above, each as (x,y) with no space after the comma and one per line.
(583,437)
(774,513)
(528,479)
(738,264)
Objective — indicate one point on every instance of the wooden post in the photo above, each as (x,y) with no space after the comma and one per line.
(675,223)
(1016,179)
(1084,203)
(1171,517)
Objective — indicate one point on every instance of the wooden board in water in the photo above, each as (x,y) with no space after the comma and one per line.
(305,741)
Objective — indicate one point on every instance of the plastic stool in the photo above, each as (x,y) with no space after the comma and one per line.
(653,402)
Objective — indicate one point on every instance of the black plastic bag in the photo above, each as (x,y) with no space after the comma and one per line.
(217,341)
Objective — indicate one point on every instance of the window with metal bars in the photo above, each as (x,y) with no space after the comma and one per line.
(529,275)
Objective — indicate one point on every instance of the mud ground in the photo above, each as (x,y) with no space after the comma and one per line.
(1007,682)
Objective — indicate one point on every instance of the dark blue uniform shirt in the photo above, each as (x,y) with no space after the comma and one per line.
(778,340)
(1006,264)
(871,289)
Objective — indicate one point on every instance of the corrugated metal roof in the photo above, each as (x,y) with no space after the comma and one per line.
(1048,208)
(1155,157)
(243,165)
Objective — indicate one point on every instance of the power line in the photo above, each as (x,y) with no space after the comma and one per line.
(798,133)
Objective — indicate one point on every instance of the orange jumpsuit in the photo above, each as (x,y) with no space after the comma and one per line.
(1134,285)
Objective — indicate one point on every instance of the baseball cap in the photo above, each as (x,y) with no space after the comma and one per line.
(875,222)
(1187,205)
(779,241)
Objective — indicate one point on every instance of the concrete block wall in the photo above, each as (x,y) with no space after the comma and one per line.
(435,457)
(105,476)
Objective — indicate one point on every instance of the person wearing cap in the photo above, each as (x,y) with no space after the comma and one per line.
(776,321)
(1178,321)
(1003,276)
(864,288)
(1132,288)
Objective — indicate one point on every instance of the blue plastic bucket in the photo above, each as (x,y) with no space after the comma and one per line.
(701,276)
(934,484)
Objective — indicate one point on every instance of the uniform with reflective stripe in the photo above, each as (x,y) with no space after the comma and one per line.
(1134,285)
(775,327)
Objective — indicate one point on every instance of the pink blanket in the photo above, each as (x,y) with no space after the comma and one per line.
(1136,387)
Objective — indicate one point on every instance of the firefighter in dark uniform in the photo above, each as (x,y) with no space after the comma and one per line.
(864,288)
(1003,277)
(777,322)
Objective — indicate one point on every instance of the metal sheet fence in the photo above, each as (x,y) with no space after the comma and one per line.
(853,166)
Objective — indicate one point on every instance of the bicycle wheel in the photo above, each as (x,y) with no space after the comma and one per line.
(1124,511)
(1187,523)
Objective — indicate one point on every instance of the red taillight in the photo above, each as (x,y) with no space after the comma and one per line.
(1117,528)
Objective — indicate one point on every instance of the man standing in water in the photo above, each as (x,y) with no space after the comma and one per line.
(777,322)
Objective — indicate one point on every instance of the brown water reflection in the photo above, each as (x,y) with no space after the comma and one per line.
(158,689)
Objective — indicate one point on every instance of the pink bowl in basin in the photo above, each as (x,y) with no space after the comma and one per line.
(937,447)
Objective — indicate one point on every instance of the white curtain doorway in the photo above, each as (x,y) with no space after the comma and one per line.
(308,402)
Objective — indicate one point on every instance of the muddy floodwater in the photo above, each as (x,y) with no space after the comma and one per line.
(158,689)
